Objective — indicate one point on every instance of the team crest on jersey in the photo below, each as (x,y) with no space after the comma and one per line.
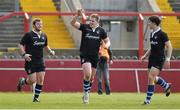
(87,34)
(29,71)
(97,32)
(155,37)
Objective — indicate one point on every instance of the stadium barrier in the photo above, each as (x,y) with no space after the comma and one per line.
(140,16)
(66,76)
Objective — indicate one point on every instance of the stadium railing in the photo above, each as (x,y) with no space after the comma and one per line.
(137,14)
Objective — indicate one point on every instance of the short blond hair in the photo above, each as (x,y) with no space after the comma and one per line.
(96,16)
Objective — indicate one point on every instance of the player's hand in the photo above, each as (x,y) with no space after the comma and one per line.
(52,52)
(167,64)
(111,62)
(80,12)
(27,57)
(143,58)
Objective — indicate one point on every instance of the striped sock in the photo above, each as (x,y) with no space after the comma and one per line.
(162,83)
(86,85)
(150,92)
(38,90)
(90,85)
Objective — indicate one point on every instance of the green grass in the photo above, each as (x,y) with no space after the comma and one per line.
(74,101)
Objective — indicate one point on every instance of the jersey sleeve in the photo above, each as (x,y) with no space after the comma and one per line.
(24,39)
(165,37)
(46,40)
(82,27)
(104,34)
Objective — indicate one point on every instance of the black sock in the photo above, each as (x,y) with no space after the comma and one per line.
(38,90)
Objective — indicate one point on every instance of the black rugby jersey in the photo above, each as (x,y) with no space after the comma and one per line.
(33,44)
(157,41)
(90,41)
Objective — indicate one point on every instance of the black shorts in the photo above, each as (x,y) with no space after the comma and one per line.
(156,62)
(32,67)
(93,59)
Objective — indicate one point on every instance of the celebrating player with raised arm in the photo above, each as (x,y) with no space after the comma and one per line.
(92,34)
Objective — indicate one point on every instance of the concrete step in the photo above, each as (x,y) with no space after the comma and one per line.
(7,1)
(11,36)
(20,32)
(15,19)
(10,23)
(8,44)
(60,41)
(14,28)
(9,40)
(60,46)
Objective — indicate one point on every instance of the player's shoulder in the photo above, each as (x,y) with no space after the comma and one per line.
(44,34)
(101,29)
(84,25)
(27,34)
(162,33)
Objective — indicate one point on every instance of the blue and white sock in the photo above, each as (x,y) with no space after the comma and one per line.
(150,92)
(90,85)
(162,82)
(86,86)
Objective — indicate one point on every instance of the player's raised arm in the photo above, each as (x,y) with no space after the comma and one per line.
(74,21)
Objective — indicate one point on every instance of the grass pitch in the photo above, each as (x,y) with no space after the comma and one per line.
(74,101)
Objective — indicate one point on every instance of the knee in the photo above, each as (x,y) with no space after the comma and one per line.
(40,81)
(151,79)
(87,77)
(31,81)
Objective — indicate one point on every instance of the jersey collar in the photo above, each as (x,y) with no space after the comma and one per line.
(38,33)
(93,29)
(154,32)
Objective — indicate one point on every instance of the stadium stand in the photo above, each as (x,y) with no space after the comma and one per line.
(53,26)
(11,30)
(170,24)
(175,5)
(7,6)
(57,3)
(118,32)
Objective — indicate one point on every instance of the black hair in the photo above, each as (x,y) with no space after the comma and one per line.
(155,19)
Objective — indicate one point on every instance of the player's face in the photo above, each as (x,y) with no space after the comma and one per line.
(151,25)
(38,26)
(93,22)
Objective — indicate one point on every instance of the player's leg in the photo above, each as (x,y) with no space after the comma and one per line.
(86,82)
(106,78)
(167,86)
(99,78)
(153,72)
(39,84)
(94,70)
(160,81)
(94,61)
(31,78)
